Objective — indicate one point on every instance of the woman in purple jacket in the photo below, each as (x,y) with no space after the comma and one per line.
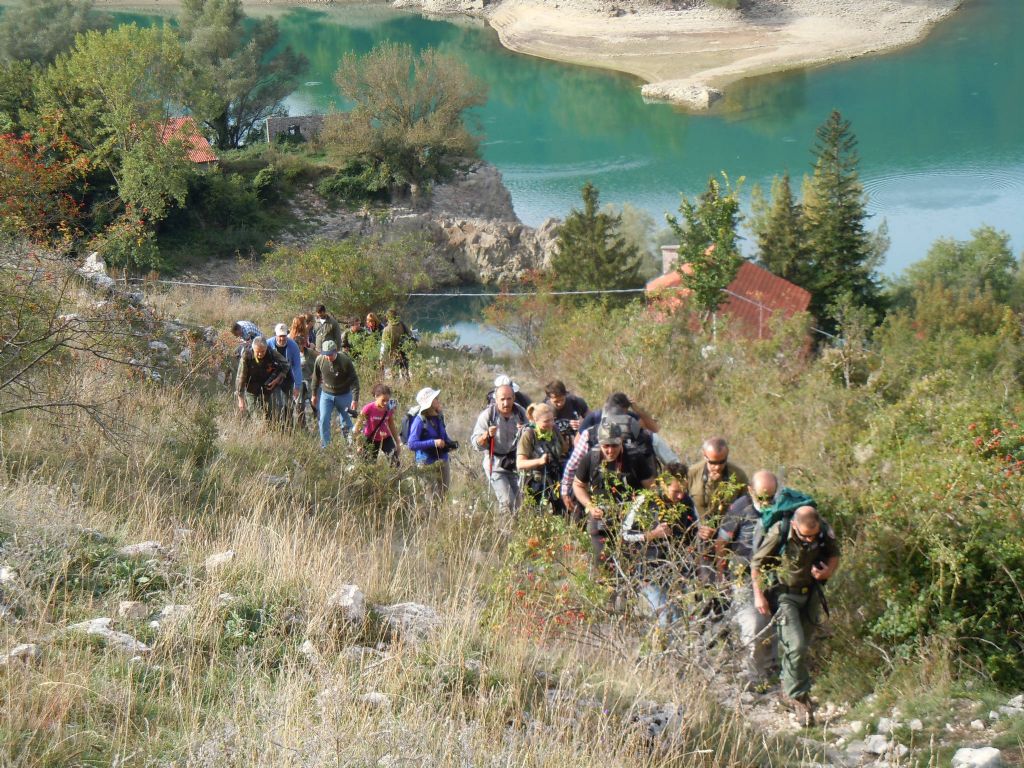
(429,439)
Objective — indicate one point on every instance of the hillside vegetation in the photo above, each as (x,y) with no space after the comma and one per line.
(917,462)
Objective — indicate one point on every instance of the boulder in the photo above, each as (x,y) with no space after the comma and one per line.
(886,726)
(375,700)
(348,603)
(174,612)
(985,757)
(119,641)
(159,347)
(876,745)
(278,481)
(977,725)
(132,610)
(692,95)
(1017,701)
(915,725)
(219,560)
(142,549)
(21,654)
(8,576)
(413,622)
(94,264)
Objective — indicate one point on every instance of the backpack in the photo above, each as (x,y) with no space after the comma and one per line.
(406,425)
(638,444)
(787,501)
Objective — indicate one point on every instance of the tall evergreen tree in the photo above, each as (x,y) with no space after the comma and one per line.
(843,255)
(707,243)
(778,226)
(591,252)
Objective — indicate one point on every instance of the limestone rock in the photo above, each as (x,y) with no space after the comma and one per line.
(159,347)
(915,725)
(94,264)
(1017,701)
(132,610)
(23,654)
(1011,711)
(977,725)
(683,92)
(414,622)
(660,721)
(309,651)
(119,641)
(174,613)
(8,576)
(985,757)
(877,744)
(885,726)
(348,603)
(142,549)
(219,560)
(278,481)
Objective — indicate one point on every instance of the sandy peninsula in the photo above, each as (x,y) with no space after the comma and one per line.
(686,51)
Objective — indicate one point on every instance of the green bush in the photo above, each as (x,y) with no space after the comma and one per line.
(355,183)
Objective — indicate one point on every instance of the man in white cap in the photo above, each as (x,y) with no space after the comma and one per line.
(496,435)
(335,387)
(290,389)
(502,380)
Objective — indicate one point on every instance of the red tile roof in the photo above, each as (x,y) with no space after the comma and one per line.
(752,298)
(185,129)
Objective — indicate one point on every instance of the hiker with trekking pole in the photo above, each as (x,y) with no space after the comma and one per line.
(540,456)
(496,435)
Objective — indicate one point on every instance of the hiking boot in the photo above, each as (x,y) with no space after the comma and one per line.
(801,707)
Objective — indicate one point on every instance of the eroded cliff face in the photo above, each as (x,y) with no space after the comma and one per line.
(470,219)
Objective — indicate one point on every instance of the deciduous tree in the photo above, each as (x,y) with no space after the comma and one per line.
(237,77)
(409,116)
(38,30)
(708,243)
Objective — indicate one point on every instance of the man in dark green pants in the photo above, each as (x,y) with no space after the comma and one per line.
(788,571)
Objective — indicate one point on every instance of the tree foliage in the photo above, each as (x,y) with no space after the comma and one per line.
(778,228)
(707,243)
(17,100)
(842,256)
(409,114)
(591,252)
(37,30)
(237,78)
(985,262)
(34,189)
(353,276)
(111,95)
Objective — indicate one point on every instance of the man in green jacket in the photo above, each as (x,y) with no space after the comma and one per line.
(796,557)
(393,346)
(260,371)
(325,328)
(335,387)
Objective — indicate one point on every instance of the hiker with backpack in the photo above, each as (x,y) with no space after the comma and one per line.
(796,557)
(501,380)
(539,456)
(738,537)
(260,372)
(496,434)
(377,422)
(325,328)
(638,440)
(394,343)
(428,437)
(607,478)
(570,409)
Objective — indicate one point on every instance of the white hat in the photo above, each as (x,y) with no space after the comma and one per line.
(280,329)
(501,380)
(426,396)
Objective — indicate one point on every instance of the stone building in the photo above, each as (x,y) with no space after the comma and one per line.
(294,126)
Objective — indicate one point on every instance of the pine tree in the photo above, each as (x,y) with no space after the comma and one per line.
(707,243)
(779,230)
(591,253)
(843,255)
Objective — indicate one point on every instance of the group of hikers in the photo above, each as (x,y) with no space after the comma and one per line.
(704,541)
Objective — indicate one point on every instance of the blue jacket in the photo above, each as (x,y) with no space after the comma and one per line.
(422,434)
(293,355)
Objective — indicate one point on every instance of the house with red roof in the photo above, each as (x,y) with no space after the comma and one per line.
(752,299)
(197,148)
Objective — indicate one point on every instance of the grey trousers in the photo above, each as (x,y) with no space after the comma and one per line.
(506,488)
(759,654)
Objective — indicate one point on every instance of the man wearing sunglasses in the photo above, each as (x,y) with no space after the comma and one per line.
(708,475)
(787,572)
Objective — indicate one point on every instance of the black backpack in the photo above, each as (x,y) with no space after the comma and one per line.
(507,461)
(406,425)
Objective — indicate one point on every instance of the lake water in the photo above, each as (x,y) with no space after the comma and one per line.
(940,125)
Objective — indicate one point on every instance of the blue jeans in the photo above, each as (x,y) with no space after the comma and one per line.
(656,598)
(328,405)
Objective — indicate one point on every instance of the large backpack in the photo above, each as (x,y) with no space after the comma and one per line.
(507,461)
(406,425)
(637,441)
(787,501)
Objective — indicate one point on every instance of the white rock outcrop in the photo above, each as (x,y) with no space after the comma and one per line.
(132,610)
(120,641)
(348,603)
(21,654)
(683,92)
(219,560)
(984,757)
(413,622)
(142,549)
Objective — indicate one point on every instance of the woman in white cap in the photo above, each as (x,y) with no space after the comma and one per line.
(428,437)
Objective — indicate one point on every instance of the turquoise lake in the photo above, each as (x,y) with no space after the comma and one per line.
(940,125)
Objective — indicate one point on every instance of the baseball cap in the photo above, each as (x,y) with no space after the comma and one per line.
(280,329)
(329,347)
(609,434)
(426,396)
